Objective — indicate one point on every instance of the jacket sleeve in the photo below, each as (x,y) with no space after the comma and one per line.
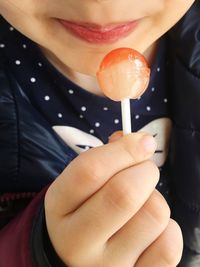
(24,241)
(43,252)
(185,139)
(15,246)
(27,164)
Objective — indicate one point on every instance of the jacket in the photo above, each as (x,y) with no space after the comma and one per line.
(31,150)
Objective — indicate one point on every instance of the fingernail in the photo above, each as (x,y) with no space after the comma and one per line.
(149,144)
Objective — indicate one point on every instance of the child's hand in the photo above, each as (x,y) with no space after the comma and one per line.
(104,211)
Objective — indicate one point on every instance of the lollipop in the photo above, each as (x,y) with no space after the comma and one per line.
(124,74)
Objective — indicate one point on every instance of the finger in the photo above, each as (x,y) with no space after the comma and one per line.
(166,251)
(115,136)
(93,168)
(139,232)
(112,206)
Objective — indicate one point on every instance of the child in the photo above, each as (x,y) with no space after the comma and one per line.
(99,208)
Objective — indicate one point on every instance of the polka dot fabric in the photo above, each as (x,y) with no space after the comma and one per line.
(62,102)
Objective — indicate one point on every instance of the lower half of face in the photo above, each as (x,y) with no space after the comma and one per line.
(79,33)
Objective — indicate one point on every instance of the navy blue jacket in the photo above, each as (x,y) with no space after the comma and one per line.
(31,150)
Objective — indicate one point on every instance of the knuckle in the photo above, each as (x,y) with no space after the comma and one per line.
(153,170)
(131,144)
(172,247)
(49,199)
(133,158)
(72,258)
(73,252)
(128,146)
(158,209)
(89,171)
(124,190)
(78,256)
(120,194)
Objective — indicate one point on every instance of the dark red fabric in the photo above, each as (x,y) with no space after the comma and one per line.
(15,246)
(16,195)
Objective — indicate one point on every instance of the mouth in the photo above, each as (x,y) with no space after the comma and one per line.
(98,34)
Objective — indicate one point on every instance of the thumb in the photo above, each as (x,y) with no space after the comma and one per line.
(115,136)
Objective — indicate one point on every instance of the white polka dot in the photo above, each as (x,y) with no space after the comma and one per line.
(11,29)
(17,62)
(139,98)
(160,184)
(70,92)
(39,64)
(137,117)
(116,121)
(148,108)
(33,80)
(153,89)
(105,108)
(2,45)
(24,46)
(87,147)
(165,100)
(83,108)
(158,69)
(60,115)
(91,131)
(47,98)
(81,116)
(97,124)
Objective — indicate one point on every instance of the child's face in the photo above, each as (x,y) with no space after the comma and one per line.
(38,20)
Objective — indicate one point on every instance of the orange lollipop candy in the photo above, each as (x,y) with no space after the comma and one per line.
(124,74)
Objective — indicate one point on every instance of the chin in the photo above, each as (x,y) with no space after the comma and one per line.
(88,68)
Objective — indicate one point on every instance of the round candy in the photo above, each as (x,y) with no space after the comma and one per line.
(123,73)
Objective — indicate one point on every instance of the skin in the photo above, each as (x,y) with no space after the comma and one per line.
(103,209)
(116,218)
(157,16)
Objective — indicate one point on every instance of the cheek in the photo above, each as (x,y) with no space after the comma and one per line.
(172,12)
(21,13)
(25,17)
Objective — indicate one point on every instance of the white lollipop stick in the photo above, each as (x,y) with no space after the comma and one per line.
(126,116)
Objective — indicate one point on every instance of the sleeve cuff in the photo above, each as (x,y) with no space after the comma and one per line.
(44,255)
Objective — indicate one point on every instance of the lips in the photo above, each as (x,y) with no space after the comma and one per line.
(97,34)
